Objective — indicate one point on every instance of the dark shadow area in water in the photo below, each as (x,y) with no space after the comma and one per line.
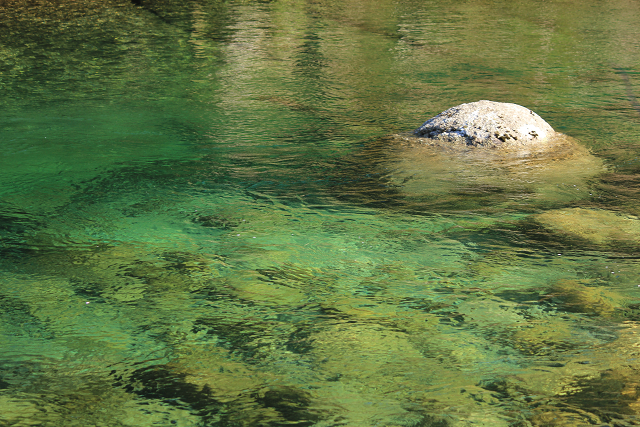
(17,320)
(163,384)
(182,14)
(619,189)
(291,405)
(626,78)
(15,224)
(612,397)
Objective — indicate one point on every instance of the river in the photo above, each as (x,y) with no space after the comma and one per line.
(203,224)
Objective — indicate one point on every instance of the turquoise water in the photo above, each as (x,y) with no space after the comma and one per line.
(204,223)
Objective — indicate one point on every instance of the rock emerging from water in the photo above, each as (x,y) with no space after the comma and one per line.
(487,124)
(481,155)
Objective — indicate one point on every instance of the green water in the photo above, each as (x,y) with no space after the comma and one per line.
(202,224)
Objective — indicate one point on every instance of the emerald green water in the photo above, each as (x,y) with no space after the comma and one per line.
(202,223)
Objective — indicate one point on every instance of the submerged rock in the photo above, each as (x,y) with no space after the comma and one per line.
(432,174)
(488,124)
(594,226)
(576,297)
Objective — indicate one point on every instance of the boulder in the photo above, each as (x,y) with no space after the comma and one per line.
(487,124)
(593,226)
(484,155)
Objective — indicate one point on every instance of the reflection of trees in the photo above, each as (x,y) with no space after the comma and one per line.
(80,49)
(383,66)
(381,63)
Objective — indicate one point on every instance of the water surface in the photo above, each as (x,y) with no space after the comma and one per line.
(202,224)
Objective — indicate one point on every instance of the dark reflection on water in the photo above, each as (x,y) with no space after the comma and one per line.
(205,222)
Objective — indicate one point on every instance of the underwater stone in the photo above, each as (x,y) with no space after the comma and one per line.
(594,226)
(577,297)
(487,124)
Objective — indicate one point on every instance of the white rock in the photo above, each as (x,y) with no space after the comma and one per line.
(488,124)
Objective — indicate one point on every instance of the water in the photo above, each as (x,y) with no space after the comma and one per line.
(202,223)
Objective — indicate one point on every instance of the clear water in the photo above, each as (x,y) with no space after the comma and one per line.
(202,224)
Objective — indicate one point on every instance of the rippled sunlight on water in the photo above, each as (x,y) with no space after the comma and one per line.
(204,223)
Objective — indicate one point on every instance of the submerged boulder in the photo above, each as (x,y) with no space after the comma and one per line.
(593,226)
(487,124)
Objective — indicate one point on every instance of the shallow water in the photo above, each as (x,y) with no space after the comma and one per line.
(202,224)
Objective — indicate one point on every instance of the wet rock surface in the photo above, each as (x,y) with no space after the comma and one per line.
(488,124)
